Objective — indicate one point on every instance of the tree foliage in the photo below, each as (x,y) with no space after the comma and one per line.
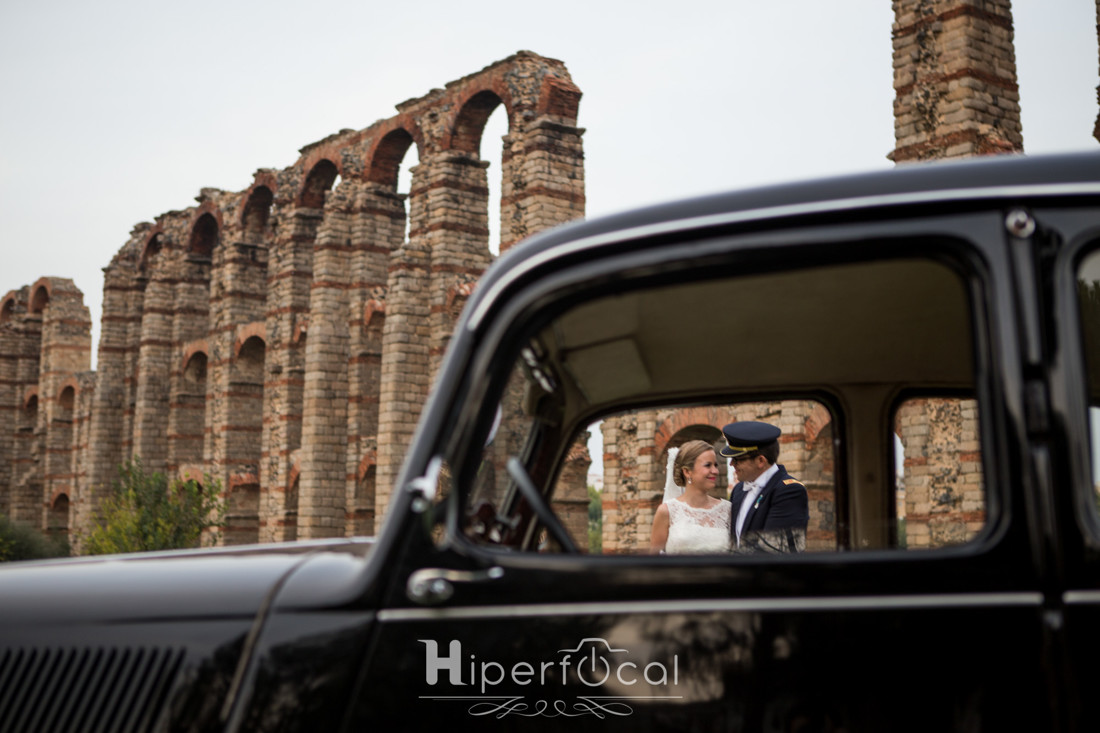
(20,542)
(147,512)
(595,521)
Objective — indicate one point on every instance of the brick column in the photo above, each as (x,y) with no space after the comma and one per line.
(112,410)
(322,497)
(405,343)
(378,230)
(154,359)
(290,270)
(66,351)
(457,230)
(543,178)
(13,310)
(954,80)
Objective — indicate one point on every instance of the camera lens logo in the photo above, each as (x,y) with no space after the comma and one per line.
(593,662)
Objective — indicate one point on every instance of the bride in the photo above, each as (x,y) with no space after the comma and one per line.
(690,520)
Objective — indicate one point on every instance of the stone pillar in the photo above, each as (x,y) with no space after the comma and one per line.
(112,410)
(543,178)
(66,351)
(942,485)
(23,344)
(405,343)
(154,360)
(378,230)
(290,271)
(954,80)
(13,309)
(323,497)
(457,229)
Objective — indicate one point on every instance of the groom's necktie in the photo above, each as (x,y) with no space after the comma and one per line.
(751,491)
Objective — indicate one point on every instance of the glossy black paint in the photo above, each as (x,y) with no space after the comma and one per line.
(997,635)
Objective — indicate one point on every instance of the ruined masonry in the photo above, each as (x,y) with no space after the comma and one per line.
(282,339)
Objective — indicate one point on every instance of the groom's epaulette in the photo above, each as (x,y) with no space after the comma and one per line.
(789,481)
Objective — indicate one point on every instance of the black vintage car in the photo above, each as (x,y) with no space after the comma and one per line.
(928,341)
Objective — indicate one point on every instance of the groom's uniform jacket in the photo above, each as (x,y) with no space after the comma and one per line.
(781,505)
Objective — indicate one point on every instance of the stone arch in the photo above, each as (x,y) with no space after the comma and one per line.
(204,235)
(30,399)
(373,308)
(66,399)
(470,121)
(688,431)
(290,512)
(154,242)
(247,332)
(187,431)
(40,297)
(256,212)
(57,516)
(242,516)
(362,513)
(244,402)
(7,308)
(318,183)
(385,156)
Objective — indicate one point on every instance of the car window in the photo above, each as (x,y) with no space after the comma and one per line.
(1088,294)
(600,390)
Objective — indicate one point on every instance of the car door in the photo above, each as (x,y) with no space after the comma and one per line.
(916,606)
(1070,269)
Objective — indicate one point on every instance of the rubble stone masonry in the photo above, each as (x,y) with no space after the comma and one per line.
(282,339)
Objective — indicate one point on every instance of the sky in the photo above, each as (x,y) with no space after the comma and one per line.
(117,111)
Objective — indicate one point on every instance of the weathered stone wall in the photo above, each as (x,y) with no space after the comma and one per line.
(45,352)
(954,79)
(282,339)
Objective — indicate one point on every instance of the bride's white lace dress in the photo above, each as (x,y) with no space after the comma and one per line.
(692,530)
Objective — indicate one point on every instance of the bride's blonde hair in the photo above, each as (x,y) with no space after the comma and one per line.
(689,451)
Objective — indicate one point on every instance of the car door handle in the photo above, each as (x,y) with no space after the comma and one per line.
(429,586)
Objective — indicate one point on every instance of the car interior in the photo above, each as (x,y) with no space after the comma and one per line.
(882,351)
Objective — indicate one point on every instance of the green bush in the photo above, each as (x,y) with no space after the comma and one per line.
(20,542)
(147,512)
(595,521)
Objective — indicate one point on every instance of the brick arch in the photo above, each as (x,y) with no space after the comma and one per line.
(7,306)
(195,347)
(321,168)
(371,309)
(30,394)
(206,228)
(57,495)
(256,205)
(152,243)
(301,330)
(41,293)
(819,419)
(256,329)
(690,417)
(70,383)
(474,111)
(389,148)
(368,461)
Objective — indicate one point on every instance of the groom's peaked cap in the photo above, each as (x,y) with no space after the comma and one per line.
(746,437)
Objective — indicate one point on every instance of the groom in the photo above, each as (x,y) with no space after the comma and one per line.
(770,509)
